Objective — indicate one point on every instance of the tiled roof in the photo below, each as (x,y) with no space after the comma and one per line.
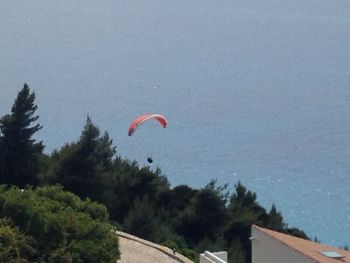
(308,248)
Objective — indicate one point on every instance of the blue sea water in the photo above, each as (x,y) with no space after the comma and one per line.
(254,91)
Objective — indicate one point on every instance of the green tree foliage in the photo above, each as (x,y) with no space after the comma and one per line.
(242,200)
(275,219)
(237,253)
(142,220)
(295,232)
(19,152)
(176,201)
(64,228)
(204,217)
(15,246)
(128,183)
(83,166)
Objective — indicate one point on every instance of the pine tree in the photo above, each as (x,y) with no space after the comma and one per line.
(82,166)
(19,152)
(237,253)
(275,219)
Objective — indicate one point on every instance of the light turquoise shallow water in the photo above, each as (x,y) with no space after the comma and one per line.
(257,92)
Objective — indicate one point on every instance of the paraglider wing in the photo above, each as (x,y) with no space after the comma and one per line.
(143,118)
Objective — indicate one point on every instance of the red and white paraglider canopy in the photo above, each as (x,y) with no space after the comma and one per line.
(143,118)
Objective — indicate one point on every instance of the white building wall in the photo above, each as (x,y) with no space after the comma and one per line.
(222,255)
(265,249)
(215,257)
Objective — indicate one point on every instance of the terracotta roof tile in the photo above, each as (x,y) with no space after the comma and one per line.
(306,247)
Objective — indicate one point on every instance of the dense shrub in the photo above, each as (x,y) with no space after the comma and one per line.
(61,227)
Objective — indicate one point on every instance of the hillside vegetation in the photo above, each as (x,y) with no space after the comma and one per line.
(46,222)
